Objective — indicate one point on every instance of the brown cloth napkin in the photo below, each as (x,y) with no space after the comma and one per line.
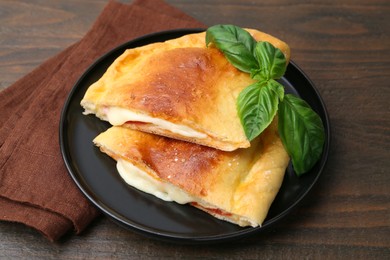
(35,188)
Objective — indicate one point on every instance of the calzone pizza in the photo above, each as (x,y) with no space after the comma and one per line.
(237,186)
(179,89)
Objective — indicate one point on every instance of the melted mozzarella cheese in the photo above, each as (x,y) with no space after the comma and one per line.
(140,180)
(119,116)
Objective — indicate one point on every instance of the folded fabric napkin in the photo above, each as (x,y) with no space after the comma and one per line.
(35,188)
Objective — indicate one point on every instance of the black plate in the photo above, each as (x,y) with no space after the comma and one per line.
(96,175)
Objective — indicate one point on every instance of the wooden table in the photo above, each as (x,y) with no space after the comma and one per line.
(344,47)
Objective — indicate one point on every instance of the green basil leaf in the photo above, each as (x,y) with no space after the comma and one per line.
(277,87)
(257,105)
(272,63)
(235,43)
(301,131)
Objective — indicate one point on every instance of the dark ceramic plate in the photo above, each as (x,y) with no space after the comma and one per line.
(96,175)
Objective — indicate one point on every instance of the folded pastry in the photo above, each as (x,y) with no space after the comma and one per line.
(178,88)
(237,186)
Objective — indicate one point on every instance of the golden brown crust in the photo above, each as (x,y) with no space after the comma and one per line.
(242,183)
(180,81)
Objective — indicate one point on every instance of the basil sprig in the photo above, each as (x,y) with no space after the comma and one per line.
(300,128)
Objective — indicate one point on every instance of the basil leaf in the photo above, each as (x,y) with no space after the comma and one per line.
(257,105)
(278,88)
(272,63)
(235,43)
(301,132)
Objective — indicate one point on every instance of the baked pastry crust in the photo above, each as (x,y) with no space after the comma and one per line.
(237,186)
(181,82)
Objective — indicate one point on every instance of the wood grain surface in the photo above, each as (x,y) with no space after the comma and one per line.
(343,46)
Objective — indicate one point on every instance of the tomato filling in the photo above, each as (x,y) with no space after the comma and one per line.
(212,210)
(136,123)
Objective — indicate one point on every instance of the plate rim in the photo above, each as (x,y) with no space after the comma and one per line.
(170,237)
